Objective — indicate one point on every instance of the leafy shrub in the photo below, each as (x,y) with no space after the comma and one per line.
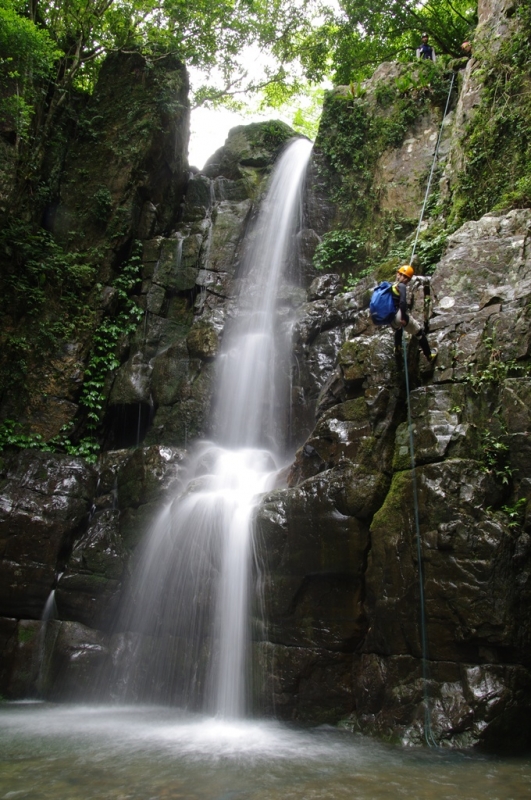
(12,436)
(337,249)
(101,204)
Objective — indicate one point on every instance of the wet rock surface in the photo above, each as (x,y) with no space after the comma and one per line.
(69,530)
(45,500)
(470,429)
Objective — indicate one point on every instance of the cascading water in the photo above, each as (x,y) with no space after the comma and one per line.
(190,596)
(187,611)
(250,386)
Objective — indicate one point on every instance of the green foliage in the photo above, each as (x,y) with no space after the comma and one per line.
(12,436)
(102,360)
(495,372)
(27,55)
(494,450)
(497,369)
(45,287)
(353,280)
(515,512)
(337,250)
(357,134)
(13,362)
(270,134)
(308,112)
(357,35)
(41,268)
(18,112)
(101,204)
(42,286)
(501,125)
(75,36)
(357,89)
(423,84)
(26,634)
(519,196)
(429,249)
(495,457)
(351,149)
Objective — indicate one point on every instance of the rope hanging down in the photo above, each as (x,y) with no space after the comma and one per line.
(428,734)
(428,187)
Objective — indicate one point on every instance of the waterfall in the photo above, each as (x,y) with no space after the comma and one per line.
(249,390)
(188,610)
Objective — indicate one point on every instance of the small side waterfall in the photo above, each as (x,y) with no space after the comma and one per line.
(191,588)
(49,613)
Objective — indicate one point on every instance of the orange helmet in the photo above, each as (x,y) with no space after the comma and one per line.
(406,270)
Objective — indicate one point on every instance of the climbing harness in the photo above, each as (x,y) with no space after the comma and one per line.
(428,734)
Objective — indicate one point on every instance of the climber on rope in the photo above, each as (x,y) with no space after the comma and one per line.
(425,51)
(404,321)
(389,307)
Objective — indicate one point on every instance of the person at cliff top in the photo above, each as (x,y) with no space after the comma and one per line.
(425,50)
(403,320)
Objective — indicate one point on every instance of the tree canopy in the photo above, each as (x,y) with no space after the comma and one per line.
(356,35)
(28,54)
(51,46)
(205,33)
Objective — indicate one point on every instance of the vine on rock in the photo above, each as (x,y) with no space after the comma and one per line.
(106,338)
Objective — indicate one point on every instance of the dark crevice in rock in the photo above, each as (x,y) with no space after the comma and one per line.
(127,425)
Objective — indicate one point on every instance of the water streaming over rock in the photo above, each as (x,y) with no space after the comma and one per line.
(49,613)
(188,612)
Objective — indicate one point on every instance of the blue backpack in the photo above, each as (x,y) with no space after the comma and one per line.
(382,306)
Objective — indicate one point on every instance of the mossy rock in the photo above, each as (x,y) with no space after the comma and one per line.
(254,146)
(202,342)
(355,359)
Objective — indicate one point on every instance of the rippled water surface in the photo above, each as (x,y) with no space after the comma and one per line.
(143,753)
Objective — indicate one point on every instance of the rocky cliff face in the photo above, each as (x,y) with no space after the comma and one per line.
(343,591)
(338,541)
(114,174)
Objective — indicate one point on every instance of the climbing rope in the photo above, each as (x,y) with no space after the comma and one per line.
(436,153)
(428,734)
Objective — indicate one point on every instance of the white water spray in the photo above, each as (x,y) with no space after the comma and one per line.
(191,596)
